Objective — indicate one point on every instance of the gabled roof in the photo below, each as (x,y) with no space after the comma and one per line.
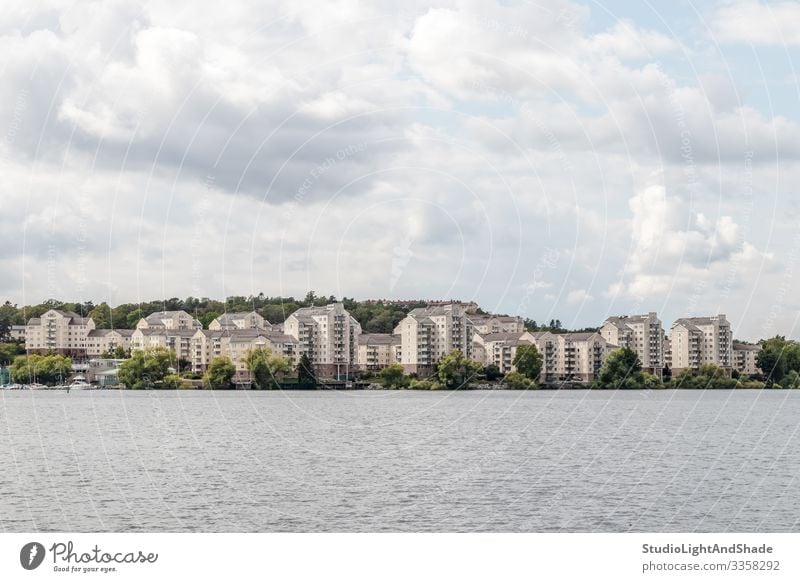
(381,339)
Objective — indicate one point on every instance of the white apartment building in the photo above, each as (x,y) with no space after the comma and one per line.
(644,334)
(178,340)
(485,324)
(58,331)
(500,348)
(208,344)
(169,320)
(744,358)
(429,333)
(579,356)
(239,320)
(695,341)
(16,333)
(328,335)
(105,341)
(377,350)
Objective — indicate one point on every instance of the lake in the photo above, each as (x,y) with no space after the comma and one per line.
(482,461)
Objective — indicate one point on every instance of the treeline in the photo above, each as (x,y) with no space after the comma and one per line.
(374,317)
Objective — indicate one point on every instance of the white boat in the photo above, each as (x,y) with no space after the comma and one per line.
(35,386)
(78,384)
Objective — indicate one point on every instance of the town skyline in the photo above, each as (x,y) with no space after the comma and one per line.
(553,159)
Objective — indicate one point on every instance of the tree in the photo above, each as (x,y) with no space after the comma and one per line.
(220,373)
(393,376)
(528,362)
(102,316)
(492,372)
(622,369)
(47,369)
(771,359)
(120,353)
(146,368)
(517,381)
(305,372)
(265,368)
(10,351)
(456,371)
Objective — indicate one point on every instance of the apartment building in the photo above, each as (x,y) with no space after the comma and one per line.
(58,331)
(178,340)
(547,345)
(429,333)
(500,348)
(744,358)
(579,356)
(377,350)
(643,334)
(328,335)
(485,324)
(206,344)
(16,333)
(239,320)
(695,341)
(105,341)
(169,320)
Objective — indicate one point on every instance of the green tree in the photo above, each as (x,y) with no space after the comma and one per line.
(771,358)
(492,372)
(265,368)
(102,316)
(622,369)
(528,362)
(518,381)
(220,373)
(305,372)
(47,369)
(146,368)
(10,351)
(393,376)
(455,371)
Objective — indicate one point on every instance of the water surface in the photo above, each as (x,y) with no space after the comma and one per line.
(400,461)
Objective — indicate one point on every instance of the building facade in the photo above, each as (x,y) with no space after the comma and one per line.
(744,358)
(240,320)
(106,341)
(58,331)
(328,336)
(695,341)
(485,324)
(643,334)
(377,350)
(169,320)
(429,333)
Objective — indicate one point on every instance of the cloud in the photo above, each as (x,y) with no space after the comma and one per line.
(759,23)
(674,249)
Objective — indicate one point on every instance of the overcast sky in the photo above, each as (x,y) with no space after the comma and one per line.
(551,159)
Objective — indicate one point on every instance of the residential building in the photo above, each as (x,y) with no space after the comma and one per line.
(695,341)
(429,333)
(234,344)
(240,320)
(547,345)
(643,334)
(744,358)
(500,349)
(16,333)
(58,331)
(579,356)
(485,324)
(178,340)
(169,320)
(328,335)
(377,350)
(105,341)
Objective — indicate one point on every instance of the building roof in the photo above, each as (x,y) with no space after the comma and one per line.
(105,332)
(502,336)
(433,310)
(744,346)
(579,336)
(381,339)
(708,320)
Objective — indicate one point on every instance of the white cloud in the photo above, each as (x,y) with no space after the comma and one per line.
(760,23)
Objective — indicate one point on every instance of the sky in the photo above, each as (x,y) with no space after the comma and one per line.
(547,158)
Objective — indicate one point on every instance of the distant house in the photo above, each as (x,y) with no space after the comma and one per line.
(240,320)
(169,320)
